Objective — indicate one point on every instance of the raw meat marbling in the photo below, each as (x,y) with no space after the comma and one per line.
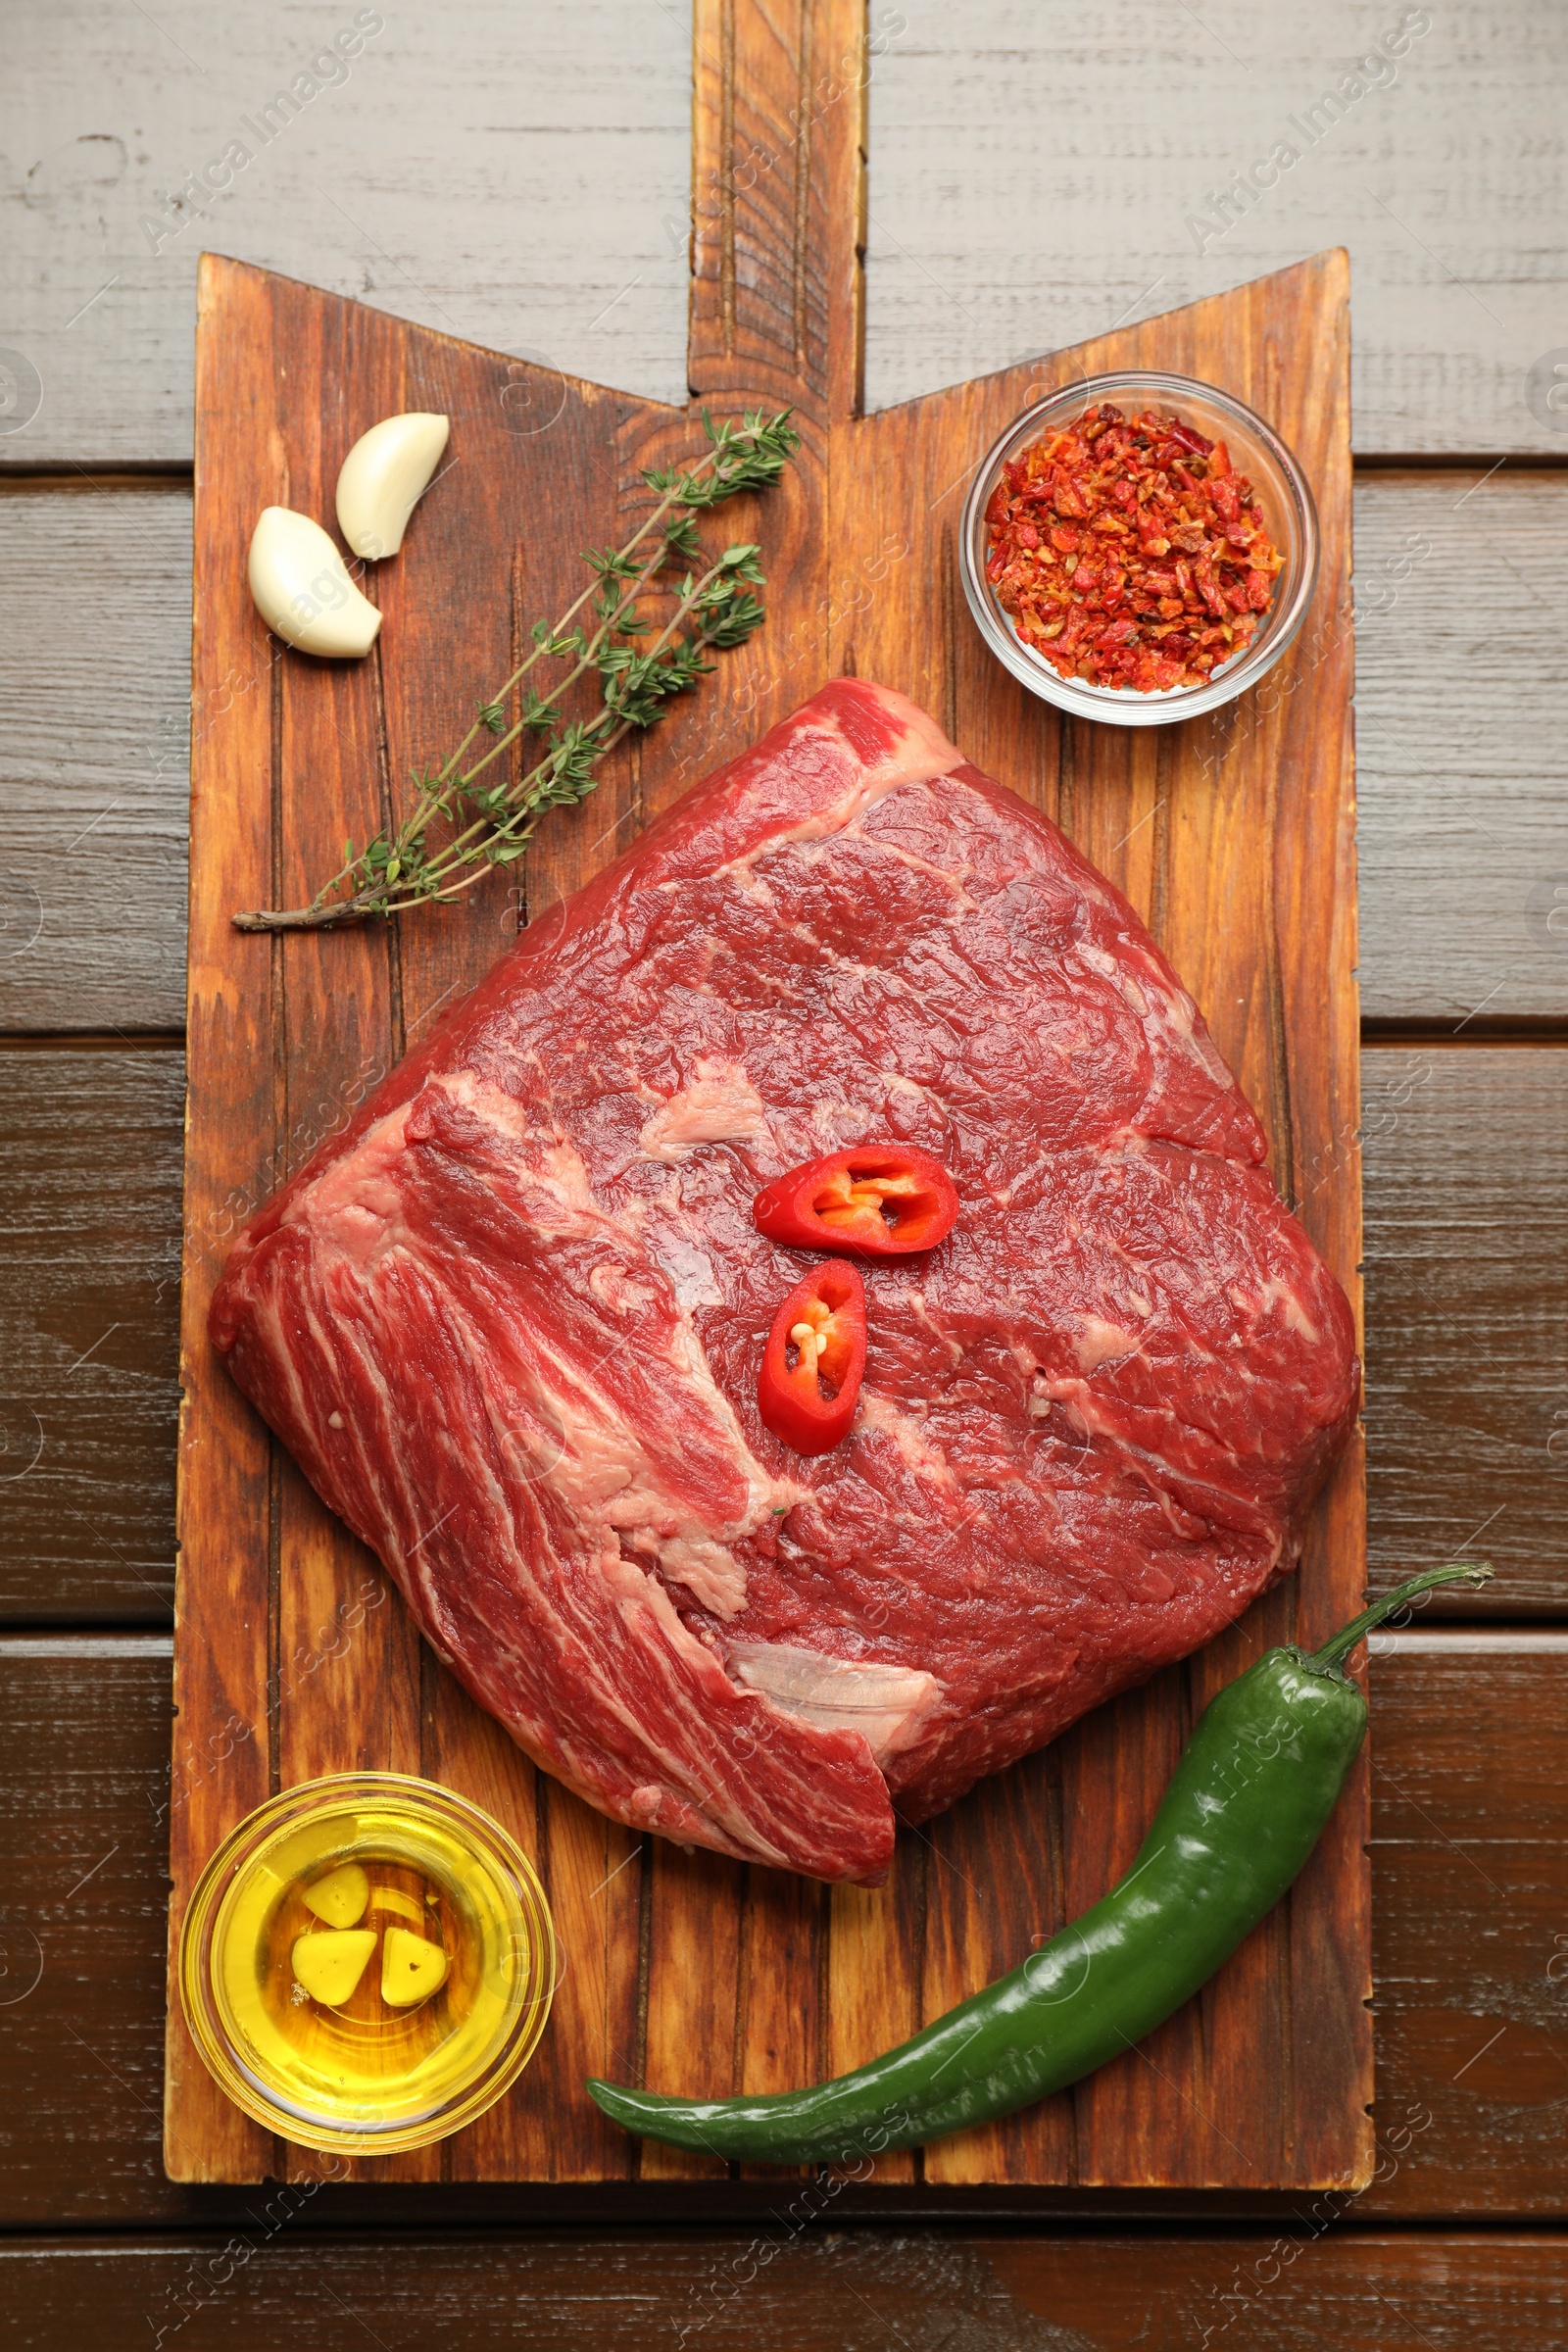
(510,1320)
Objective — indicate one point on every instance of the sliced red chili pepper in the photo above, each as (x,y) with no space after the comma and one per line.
(878,1201)
(814,1358)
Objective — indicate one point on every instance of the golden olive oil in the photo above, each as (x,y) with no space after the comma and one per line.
(387,2063)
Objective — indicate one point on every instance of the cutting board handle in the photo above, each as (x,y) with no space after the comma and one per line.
(778,203)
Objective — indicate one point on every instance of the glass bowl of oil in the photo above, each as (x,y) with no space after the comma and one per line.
(366,1963)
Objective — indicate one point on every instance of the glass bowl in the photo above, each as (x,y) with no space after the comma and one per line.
(1282,492)
(367,2076)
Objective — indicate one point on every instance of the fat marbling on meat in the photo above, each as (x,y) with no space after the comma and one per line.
(510,1320)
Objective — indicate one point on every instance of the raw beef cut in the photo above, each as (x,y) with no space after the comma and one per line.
(509,1321)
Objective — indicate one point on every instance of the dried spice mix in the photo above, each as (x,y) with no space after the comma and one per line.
(1129,552)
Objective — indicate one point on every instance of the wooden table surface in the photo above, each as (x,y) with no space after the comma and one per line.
(521,176)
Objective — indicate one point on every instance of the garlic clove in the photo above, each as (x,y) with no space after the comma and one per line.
(383,478)
(331,1962)
(411,1969)
(302,589)
(339,1899)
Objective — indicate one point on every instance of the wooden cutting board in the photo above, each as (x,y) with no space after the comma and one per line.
(1233,835)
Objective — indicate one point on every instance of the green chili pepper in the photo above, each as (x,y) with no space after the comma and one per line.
(1260,1776)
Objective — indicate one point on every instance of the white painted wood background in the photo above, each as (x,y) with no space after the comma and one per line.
(1037,163)
(518,173)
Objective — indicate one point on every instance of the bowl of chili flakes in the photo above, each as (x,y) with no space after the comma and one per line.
(1139,548)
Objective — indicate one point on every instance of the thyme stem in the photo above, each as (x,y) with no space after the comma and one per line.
(508,829)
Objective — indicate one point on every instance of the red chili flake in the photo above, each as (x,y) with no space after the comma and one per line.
(1130,553)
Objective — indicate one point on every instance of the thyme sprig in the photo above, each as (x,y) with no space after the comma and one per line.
(486,816)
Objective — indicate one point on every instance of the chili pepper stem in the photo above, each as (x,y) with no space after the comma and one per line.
(1333,1654)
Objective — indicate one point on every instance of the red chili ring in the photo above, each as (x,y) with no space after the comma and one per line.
(877,1201)
(822,1324)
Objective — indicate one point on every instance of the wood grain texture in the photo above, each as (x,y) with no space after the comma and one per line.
(81,1836)
(89,1289)
(520,177)
(1459,759)
(1267,944)
(1471,1900)
(989,241)
(94,756)
(229,1681)
(1467,1334)
(860,574)
(1472,2043)
(1460,787)
(540,198)
(1463,824)
(1503,2292)
(1298,2291)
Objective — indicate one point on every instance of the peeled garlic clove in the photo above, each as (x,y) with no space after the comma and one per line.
(339,1899)
(383,478)
(411,1969)
(330,1963)
(302,590)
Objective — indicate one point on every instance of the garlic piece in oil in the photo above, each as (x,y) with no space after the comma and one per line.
(302,589)
(383,478)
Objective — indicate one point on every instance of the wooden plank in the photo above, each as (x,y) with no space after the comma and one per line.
(89,1292)
(772,312)
(1267,944)
(94,764)
(229,1682)
(589,1867)
(336,1030)
(1467,1359)
(1469,1753)
(989,242)
(540,198)
(852,2292)
(1471,1895)
(1462,840)
(321,1017)
(82,1841)
(694,1946)
(1295,2291)
(1460,766)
